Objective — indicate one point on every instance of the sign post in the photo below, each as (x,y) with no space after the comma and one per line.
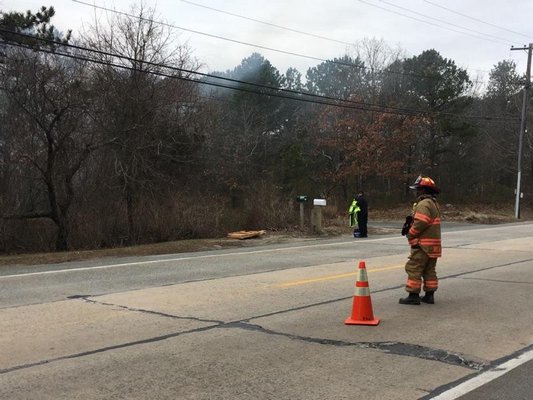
(316,221)
(301,199)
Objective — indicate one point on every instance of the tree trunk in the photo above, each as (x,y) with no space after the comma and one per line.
(129,209)
(62,237)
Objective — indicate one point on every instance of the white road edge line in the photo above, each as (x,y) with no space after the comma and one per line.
(59,271)
(485,377)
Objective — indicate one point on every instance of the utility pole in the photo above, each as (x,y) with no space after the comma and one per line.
(525,102)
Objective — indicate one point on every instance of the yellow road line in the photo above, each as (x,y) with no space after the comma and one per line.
(332,277)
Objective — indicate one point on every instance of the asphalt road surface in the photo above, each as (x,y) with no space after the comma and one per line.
(267,323)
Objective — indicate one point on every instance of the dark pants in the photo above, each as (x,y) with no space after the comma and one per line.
(362,221)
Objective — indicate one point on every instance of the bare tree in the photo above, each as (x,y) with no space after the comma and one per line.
(145,107)
(46,134)
(377,55)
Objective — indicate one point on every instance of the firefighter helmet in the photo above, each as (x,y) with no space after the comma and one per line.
(425,182)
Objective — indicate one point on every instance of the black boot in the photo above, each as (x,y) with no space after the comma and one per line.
(428,298)
(413,299)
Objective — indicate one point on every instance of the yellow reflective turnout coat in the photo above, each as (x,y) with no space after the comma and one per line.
(425,230)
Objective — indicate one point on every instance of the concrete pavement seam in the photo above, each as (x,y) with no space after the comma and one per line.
(157,313)
(108,348)
(397,348)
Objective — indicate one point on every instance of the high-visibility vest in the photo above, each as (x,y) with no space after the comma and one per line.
(354,207)
(352,212)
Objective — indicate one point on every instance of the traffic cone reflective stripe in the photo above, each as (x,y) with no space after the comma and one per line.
(362,291)
(362,277)
(362,313)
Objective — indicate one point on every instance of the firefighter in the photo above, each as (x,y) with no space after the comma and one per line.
(425,240)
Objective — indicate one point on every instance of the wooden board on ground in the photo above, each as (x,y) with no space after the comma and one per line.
(245,234)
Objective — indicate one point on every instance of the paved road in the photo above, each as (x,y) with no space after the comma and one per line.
(53,282)
(504,380)
(515,385)
(266,322)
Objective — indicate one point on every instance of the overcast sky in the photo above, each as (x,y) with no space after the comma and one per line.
(477,40)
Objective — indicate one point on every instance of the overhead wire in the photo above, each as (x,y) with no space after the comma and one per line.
(268,23)
(364,106)
(261,86)
(498,38)
(216,36)
(307,34)
(273,91)
(335,61)
(476,19)
(429,23)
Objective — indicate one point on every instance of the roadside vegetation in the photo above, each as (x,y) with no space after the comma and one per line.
(111,139)
(335,225)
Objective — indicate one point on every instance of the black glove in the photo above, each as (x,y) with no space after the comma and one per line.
(407,225)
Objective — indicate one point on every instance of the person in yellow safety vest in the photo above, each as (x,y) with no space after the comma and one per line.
(362,215)
(352,215)
(424,236)
(358,214)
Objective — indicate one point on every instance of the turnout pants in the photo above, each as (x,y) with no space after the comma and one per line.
(420,267)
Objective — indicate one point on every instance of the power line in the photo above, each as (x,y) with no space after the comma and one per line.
(273,91)
(476,19)
(268,23)
(445,22)
(429,23)
(298,31)
(336,62)
(261,86)
(218,36)
(383,109)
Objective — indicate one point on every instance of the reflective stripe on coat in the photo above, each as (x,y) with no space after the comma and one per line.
(425,230)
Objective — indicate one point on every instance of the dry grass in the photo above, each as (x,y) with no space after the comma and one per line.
(332,227)
(180,246)
(480,214)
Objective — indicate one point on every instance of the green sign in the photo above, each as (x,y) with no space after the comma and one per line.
(301,199)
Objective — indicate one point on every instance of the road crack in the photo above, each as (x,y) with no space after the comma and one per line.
(144,311)
(397,348)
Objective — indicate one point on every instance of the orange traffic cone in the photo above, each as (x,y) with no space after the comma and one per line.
(362,304)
